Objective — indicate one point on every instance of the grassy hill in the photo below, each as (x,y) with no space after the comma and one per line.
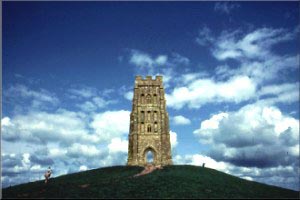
(178,181)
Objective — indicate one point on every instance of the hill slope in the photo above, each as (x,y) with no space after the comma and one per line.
(179,181)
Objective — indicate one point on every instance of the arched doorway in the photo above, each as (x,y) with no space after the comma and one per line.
(149,156)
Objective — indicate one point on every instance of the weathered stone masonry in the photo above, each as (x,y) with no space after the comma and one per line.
(149,123)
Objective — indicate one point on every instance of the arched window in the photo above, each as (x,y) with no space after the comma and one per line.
(148,98)
(142,98)
(154,98)
(155,127)
(142,127)
(149,128)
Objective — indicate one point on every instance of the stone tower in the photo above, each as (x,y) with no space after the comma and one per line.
(149,124)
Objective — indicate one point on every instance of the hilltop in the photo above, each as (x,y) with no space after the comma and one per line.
(178,181)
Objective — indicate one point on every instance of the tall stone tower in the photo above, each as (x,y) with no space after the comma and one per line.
(149,124)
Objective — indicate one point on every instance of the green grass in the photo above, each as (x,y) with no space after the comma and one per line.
(178,181)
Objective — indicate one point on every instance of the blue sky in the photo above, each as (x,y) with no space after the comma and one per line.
(231,76)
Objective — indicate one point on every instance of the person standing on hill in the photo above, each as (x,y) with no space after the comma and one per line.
(47,175)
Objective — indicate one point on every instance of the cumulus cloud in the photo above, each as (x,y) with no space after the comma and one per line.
(252,128)
(42,127)
(62,139)
(118,145)
(202,91)
(67,141)
(255,137)
(180,120)
(257,64)
(173,139)
(111,124)
(83,150)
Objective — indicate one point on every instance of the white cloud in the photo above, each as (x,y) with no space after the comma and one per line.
(42,95)
(87,106)
(118,145)
(257,142)
(65,140)
(57,152)
(18,93)
(258,65)
(161,60)
(190,77)
(173,139)
(107,92)
(42,127)
(254,136)
(254,53)
(180,120)
(142,59)
(213,122)
(256,44)
(202,91)
(269,68)
(278,89)
(83,150)
(284,93)
(111,124)
(129,95)
(83,168)
(6,121)
(100,102)
(85,92)
(199,160)
(95,103)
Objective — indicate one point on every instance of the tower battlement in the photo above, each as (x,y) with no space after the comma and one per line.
(148,78)
(148,81)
